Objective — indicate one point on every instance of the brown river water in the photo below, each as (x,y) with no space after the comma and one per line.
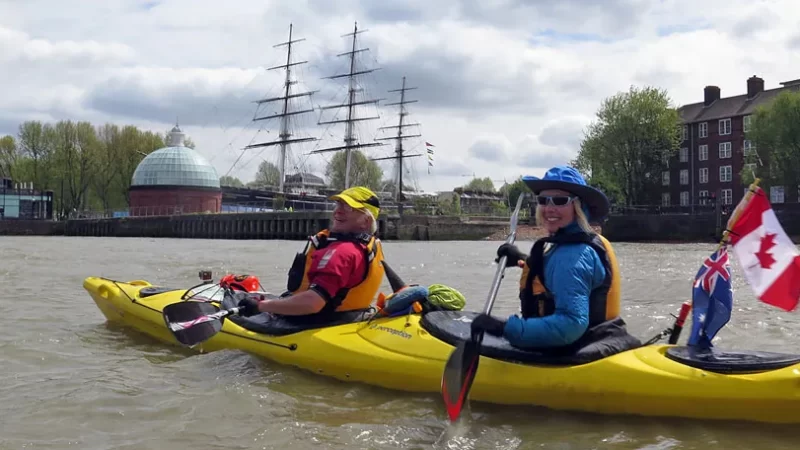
(69,380)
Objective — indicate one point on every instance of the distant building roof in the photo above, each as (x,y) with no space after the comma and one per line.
(305,178)
(715,107)
(175,165)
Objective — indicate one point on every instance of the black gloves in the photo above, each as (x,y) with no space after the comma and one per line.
(489,324)
(249,306)
(514,256)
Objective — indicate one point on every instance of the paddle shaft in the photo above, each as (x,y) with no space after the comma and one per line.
(177,326)
(462,364)
(498,276)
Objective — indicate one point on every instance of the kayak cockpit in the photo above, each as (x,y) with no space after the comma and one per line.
(453,327)
(731,362)
(274,325)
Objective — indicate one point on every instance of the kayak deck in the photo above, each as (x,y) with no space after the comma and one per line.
(400,353)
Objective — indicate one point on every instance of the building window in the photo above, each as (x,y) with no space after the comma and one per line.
(703,196)
(748,147)
(725,174)
(724,150)
(684,155)
(685,198)
(727,196)
(685,133)
(724,126)
(702,129)
(702,153)
(746,122)
(750,167)
(776,194)
(665,199)
(665,178)
(703,175)
(684,176)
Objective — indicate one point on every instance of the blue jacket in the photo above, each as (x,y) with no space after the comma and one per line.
(571,272)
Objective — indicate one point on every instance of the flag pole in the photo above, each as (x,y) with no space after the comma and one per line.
(738,212)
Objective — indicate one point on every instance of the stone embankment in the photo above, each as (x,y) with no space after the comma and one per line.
(524,233)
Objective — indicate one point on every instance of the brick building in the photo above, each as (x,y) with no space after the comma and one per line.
(174,180)
(714,147)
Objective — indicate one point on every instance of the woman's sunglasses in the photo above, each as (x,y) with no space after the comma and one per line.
(557,200)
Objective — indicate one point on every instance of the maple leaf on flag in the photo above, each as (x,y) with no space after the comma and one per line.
(765,258)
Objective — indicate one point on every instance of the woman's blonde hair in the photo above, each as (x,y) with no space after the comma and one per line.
(580,217)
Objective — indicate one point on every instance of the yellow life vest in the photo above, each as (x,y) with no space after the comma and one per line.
(355,298)
(604,301)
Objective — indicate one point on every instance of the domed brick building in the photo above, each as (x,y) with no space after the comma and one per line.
(174,180)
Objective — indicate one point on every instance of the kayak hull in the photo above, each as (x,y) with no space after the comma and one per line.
(399,353)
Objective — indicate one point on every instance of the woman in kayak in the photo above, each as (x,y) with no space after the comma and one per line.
(340,269)
(570,285)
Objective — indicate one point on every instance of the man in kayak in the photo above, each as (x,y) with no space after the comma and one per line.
(570,285)
(340,269)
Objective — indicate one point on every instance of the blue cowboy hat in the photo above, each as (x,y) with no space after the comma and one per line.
(568,179)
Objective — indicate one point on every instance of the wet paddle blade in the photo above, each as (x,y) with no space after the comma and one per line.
(192,322)
(457,378)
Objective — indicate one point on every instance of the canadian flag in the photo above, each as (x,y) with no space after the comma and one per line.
(769,259)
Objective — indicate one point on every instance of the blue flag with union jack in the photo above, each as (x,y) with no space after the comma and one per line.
(712,299)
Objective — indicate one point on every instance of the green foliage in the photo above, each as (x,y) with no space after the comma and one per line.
(480,185)
(775,131)
(625,148)
(268,175)
(512,191)
(86,167)
(8,156)
(227,180)
(425,205)
(278,203)
(363,171)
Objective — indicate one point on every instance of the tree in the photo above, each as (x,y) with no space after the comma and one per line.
(188,142)
(227,180)
(268,175)
(512,191)
(627,148)
(775,131)
(35,141)
(480,185)
(363,171)
(8,156)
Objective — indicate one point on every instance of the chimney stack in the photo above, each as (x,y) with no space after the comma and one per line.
(755,85)
(711,94)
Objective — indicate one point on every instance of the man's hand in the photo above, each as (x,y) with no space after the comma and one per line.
(249,306)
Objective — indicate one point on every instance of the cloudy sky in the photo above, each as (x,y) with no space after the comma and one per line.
(504,87)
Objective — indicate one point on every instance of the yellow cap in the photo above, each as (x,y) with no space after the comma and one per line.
(360,197)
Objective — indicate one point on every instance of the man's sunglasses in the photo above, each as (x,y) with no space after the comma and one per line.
(557,200)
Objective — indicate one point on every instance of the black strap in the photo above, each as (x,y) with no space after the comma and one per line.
(536,258)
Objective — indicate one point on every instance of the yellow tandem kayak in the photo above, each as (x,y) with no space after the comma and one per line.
(409,352)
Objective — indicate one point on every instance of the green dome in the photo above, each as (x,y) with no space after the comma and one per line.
(175,166)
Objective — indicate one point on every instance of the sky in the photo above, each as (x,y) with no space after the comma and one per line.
(504,87)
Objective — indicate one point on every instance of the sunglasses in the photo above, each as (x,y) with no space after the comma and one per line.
(556,200)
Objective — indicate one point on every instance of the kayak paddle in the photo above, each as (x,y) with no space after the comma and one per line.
(195,322)
(459,372)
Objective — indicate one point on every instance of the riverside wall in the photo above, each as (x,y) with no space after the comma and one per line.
(298,225)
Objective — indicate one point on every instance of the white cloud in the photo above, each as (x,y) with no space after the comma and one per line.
(505,87)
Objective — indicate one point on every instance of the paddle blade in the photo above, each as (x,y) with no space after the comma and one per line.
(192,322)
(459,372)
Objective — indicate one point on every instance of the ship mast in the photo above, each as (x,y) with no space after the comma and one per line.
(350,140)
(399,151)
(285,136)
